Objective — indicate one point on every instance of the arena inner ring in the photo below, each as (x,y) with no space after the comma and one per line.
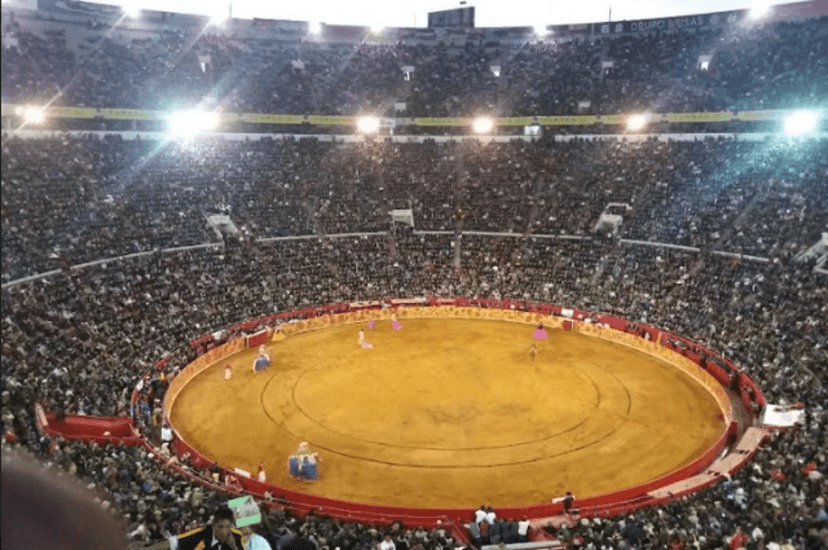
(455,409)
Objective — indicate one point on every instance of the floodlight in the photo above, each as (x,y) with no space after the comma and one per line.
(314,27)
(187,124)
(32,114)
(760,10)
(131,10)
(636,122)
(218,17)
(368,124)
(800,123)
(483,125)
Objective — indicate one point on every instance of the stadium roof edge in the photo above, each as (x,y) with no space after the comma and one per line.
(781,12)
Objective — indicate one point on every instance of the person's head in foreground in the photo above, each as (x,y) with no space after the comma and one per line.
(41,510)
(223,525)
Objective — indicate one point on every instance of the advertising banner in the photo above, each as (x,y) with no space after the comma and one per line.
(669,23)
(442,121)
(331,120)
(759,115)
(258,118)
(721,116)
(131,114)
(575,120)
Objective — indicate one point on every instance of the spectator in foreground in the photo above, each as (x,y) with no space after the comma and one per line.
(41,510)
(221,534)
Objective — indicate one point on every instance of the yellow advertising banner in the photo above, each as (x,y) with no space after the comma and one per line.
(720,116)
(575,120)
(271,119)
(442,121)
(515,121)
(10,109)
(71,112)
(131,114)
(332,120)
(759,115)
(613,119)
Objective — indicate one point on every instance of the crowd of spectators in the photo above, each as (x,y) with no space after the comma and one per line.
(69,200)
(748,66)
(78,341)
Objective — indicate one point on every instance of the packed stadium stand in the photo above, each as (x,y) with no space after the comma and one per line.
(110,262)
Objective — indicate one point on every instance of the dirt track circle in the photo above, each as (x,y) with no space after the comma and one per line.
(452,413)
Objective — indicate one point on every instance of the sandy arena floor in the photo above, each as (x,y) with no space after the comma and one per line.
(451,413)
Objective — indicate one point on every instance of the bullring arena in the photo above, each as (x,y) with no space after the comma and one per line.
(454,409)
(356,281)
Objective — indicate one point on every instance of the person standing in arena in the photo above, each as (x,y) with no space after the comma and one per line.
(262,361)
(540,333)
(363,343)
(568,499)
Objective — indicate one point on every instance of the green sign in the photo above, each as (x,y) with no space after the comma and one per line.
(246,511)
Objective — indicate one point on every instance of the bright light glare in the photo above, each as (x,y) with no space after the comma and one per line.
(368,124)
(483,125)
(31,114)
(187,124)
(314,27)
(759,10)
(377,29)
(131,10)
(800,123)
(540,30)
(636,122)
(219,17)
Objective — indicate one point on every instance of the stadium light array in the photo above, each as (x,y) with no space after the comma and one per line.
(32,114)
(800,123)
(368,124)
(483,125)
(636,122)
(190,123)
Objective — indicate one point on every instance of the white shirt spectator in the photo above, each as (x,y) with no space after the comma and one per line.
(523,527)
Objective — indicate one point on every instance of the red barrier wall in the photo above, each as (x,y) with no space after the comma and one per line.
(100,429)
